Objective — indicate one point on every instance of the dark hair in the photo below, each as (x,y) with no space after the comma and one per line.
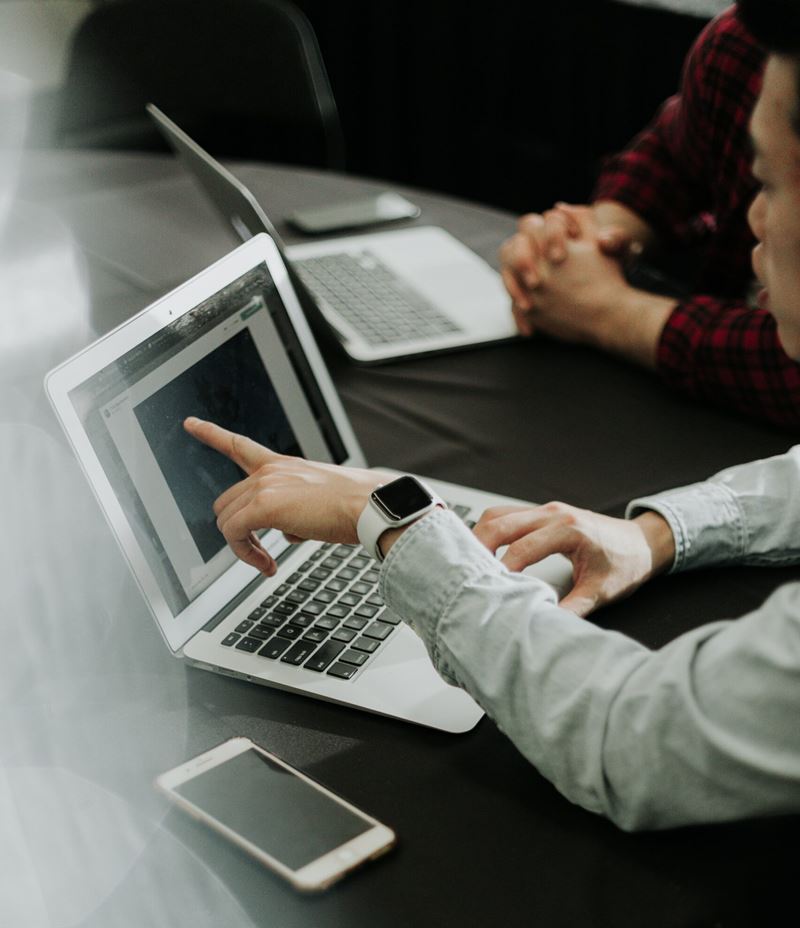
(775,24)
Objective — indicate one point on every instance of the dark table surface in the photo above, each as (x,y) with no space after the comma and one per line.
(93,705)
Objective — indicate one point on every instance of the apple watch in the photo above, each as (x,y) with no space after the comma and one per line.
(391,505)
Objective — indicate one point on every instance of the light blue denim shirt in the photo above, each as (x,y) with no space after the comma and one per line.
(705,729)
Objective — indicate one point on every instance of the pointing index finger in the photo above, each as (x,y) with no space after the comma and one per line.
(245,452)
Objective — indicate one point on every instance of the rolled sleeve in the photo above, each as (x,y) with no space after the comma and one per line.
(746,514)
(706,522)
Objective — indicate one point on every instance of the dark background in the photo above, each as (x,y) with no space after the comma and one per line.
(513,104)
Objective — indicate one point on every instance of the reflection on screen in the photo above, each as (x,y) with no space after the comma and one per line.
(273,809)
(229,386)
(235,359)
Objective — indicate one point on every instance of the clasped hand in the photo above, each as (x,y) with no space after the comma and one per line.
(563,272)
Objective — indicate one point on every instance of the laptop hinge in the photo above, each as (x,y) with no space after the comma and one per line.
(242,595)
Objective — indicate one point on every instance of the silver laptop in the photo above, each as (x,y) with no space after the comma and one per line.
(386,295)
(232,345)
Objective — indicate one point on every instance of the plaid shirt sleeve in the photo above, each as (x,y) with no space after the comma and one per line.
(688,174)
(730,354)
(681,166)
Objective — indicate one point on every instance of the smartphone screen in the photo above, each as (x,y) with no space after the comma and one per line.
(386,207)
(271,807)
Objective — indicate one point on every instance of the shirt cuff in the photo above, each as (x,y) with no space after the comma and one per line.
(706,520)
(423,571)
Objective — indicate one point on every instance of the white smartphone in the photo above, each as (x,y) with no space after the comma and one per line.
(282,817)
(353,214)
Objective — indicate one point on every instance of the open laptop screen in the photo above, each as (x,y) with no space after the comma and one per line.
(236,360)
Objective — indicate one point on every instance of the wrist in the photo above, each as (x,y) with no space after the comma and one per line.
(615,313)
(389,537)
(610,214)
(632,323)
(659,538)
(356,503)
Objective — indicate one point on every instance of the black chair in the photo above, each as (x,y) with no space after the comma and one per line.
(245,78)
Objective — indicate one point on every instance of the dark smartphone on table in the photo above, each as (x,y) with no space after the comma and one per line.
(353,214)
(287,821)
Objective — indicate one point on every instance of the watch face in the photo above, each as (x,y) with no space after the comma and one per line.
(402,497)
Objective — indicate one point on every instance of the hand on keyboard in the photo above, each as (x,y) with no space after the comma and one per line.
(610,557)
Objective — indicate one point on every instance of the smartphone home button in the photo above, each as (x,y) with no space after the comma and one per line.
(346,855)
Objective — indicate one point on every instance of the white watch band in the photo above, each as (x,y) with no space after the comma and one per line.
(372,523)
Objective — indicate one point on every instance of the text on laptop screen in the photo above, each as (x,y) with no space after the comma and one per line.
(235,360)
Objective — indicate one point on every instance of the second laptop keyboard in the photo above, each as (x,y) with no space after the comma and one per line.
(380,306)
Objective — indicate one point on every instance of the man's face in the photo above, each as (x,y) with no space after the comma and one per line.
(775,214)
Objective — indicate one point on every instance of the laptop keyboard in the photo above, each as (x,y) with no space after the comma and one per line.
(372,299)
(327,616)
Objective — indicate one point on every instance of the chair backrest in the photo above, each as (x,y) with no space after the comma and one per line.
(245,78)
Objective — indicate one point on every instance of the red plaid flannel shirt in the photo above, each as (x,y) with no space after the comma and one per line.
(688,175)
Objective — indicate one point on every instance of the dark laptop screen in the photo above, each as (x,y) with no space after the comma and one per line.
(236,360)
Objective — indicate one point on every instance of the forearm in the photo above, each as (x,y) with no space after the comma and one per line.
(612,214)
(665,174)
(660,539)
(668,174)
(654,179)
(631,323)
(649,739)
